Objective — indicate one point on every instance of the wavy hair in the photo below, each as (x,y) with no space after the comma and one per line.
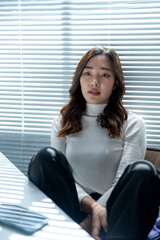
(114,114)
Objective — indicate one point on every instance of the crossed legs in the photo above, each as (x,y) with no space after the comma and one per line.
(132,207)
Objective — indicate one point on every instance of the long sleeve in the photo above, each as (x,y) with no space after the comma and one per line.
(134,149)
(60,144)
(57,142)
(81,192)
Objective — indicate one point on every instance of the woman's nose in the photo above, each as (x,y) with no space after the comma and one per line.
(95,83)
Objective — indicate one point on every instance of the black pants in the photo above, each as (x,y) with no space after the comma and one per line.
(132,207)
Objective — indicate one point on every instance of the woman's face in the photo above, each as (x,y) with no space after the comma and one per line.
(97,80)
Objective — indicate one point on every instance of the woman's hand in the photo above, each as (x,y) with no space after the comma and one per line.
(99,219)
(86,224)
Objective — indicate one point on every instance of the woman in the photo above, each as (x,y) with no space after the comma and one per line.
(95,170)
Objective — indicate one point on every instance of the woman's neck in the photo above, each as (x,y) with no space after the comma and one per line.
(93,110)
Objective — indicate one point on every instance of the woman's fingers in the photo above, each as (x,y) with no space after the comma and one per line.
(104,222)
(99,220)
(96,226)
(86,224)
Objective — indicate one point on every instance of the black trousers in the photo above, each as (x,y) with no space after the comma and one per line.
(132,207)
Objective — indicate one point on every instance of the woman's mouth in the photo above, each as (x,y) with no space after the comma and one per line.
(94,93)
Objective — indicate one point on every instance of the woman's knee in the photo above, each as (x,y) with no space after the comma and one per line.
(42,158)
(41,163)
(44,155)
(143,168)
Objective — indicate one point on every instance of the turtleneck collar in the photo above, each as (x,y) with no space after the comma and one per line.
(94,109)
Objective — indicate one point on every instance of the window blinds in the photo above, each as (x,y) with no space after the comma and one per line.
(40,44)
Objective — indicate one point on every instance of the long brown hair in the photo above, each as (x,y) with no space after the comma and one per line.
(114,113)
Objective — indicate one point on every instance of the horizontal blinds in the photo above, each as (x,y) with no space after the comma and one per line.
(135,33)
(42,41)
(11,81)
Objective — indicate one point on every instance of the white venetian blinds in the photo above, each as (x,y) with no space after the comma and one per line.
(40,44)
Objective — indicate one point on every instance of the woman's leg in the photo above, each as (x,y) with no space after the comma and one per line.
(134,203)
(49,171)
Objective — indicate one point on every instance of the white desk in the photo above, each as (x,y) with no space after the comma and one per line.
(16,188)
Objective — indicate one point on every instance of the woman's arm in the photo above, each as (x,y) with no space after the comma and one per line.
(58,143)
(97,217)
(134,149)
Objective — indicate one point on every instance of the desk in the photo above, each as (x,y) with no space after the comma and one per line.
(16,188)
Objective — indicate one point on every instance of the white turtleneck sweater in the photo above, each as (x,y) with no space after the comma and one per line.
(97,160)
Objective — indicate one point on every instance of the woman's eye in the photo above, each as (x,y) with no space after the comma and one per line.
(105,75)
(86,73)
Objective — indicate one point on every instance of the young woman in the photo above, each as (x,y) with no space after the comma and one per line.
(95,169)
